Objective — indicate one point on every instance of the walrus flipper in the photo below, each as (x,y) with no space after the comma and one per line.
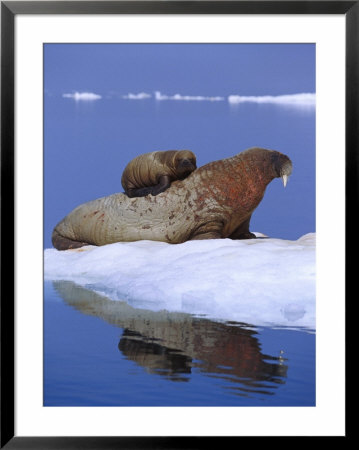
(163,184)
(140,192)
(63,243)
(209,235)
(242,232)
(211,230)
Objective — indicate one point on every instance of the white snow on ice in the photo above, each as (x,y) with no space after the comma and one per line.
(262,282)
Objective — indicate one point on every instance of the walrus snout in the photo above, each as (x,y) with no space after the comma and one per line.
(186,166)
(186,163)
(282,166)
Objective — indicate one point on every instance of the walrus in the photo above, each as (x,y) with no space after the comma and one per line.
(215,201)
(152,173)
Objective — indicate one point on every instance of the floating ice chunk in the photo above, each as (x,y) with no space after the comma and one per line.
(300,100)
(83,96)
(139,96)
(199,98)
(262,281)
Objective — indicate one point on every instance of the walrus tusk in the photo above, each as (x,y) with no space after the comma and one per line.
(285,180)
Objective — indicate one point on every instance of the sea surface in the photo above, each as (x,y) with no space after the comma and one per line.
(102,352)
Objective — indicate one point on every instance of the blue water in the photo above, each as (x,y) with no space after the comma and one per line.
(103,353)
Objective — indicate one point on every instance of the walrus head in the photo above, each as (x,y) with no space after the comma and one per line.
(184,163)
(282,166)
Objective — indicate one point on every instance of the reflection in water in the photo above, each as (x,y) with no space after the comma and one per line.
(174,345)
(156,358)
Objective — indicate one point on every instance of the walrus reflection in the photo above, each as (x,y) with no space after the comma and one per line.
(156,358)
(174,344)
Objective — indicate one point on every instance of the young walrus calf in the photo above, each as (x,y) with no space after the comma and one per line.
(215,201)
(153,173)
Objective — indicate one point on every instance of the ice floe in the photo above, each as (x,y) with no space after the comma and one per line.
(262,282)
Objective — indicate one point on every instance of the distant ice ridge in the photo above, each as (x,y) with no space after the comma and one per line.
(296,100)
(262,282)
(139,96)
(304,99)
(159,96)
(83,96)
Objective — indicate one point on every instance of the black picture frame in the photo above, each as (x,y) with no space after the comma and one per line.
(9,9)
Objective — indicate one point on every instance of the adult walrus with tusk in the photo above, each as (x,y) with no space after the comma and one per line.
(152,173)
(215,201)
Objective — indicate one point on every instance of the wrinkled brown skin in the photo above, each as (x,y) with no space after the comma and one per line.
(153,173)
(216,201)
